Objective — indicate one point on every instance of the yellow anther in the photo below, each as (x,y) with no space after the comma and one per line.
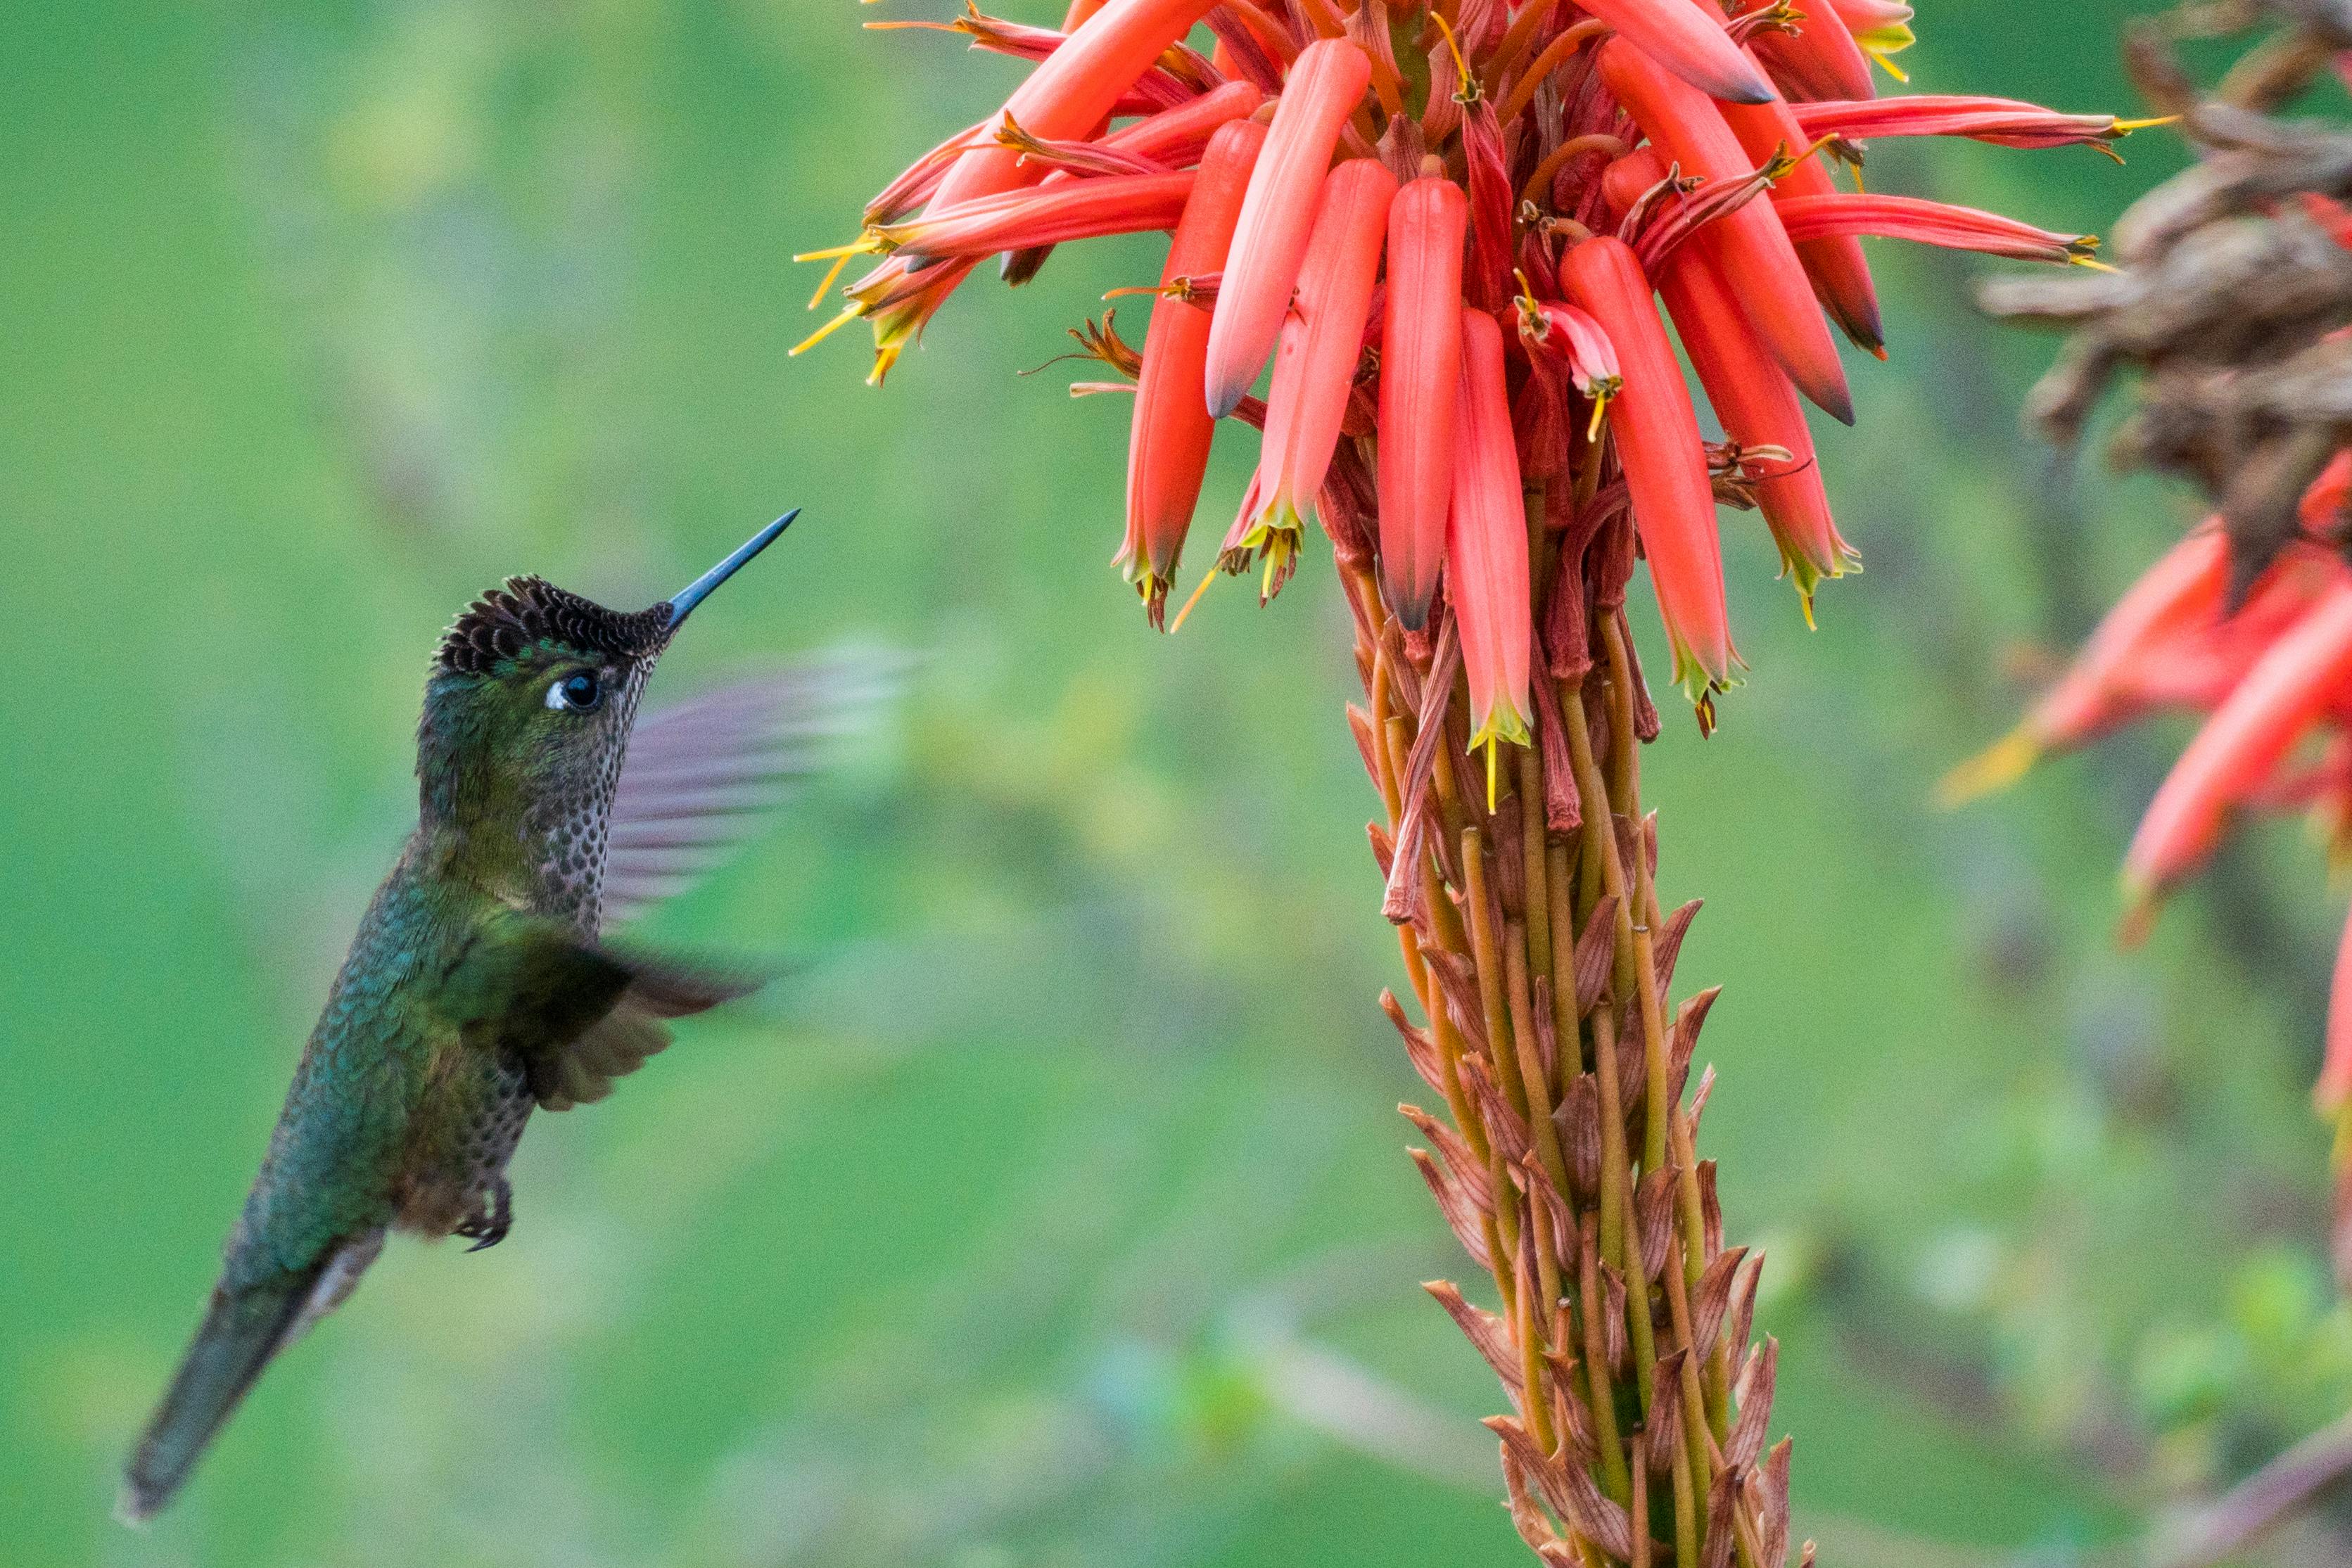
(849,315)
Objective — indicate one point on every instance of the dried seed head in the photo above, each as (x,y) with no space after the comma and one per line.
(1578,1119)
(1488,1334)
(1461,1218)
(1654,1218)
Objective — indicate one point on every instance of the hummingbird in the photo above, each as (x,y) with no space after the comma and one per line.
(480,986)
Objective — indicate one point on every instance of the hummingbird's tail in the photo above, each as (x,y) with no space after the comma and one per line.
(244,1329)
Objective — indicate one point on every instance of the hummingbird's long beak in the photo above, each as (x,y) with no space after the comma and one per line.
(700,589)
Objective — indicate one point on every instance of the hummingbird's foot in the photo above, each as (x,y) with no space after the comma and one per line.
(493,1216)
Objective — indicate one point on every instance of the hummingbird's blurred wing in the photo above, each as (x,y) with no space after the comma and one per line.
(701,774)
(577,1014)
(583,1069)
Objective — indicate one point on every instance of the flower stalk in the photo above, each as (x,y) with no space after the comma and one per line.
(1475,396)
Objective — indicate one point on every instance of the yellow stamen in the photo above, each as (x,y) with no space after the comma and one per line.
(1199,588)
(2093,263)
(863,245)
(1470,89)
(1886,63)
(883,359)
(2125,126)
(1492,745)
(1176,288)
(848,314)
(1600,407)
(831,272)
(1999,766)
(1805,603)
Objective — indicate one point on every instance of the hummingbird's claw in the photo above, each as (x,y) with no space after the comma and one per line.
(492,1217)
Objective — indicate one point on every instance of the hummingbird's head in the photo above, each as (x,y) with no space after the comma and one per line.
(528,709)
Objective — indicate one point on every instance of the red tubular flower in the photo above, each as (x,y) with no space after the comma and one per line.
(2321,510)
(2169,642)
(1819,61)
(1176,137)
(1075,88)
(1749,240)
(1487,547)
(1261,269)
(912,188)
(1170,139)
(1167,448)
(2182,591)
(1421,355)
(1750,393)
(1684,41)
(1577,337)
(2287,690)
(2004,122)
(1752,397)
(1315,368)
(1078,209)
(1840,274)
(1930,223)
(1665,464)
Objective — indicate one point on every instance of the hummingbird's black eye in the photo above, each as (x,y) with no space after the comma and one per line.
(580,692)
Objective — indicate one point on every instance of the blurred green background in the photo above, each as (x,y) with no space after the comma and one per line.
(1055,1212)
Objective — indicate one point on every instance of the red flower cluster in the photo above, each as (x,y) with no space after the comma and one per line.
(2270,670)
(1444,224)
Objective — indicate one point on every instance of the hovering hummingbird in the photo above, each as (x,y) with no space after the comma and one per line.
(478,988)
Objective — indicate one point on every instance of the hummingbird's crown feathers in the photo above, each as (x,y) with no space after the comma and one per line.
(505,622)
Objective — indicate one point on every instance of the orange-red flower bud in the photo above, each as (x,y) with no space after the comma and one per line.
(2004,122)
(1261,269)
(1177,136)
(1930,223)
(1686,41)
(2289,688)
(1421,357)
(1168,445)
(914,186)
(1840,273)
(1076,209)
(1757,407)
(1074,88)
(1665,463)
(1749,240)
(2181,594)
(2321,510)
(1315,368)
(1486,545)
